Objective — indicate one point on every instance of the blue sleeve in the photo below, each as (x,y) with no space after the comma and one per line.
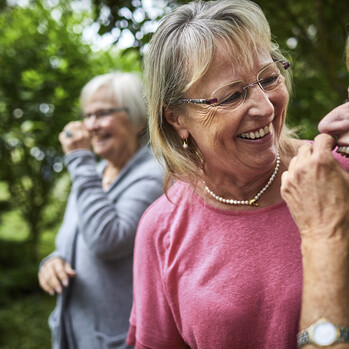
(109,224)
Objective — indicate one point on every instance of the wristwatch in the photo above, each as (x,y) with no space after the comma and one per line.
(323,334)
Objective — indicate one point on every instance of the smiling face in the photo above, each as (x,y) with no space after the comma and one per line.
(239,142)
(112,136)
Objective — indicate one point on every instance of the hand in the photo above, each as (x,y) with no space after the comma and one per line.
(55,273)
(74,136)
(316,190)
(336,123)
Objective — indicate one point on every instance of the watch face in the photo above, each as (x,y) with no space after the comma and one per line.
(324,333)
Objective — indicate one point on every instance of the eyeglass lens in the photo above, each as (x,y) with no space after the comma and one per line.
(234,94)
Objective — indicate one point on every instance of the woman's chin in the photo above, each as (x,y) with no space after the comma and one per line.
(100,150)
(100,144)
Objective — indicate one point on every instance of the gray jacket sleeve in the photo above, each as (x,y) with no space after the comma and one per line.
(108,220)
(63,239)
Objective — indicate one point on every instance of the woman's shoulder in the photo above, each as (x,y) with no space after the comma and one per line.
(145,162)
(161,214)
(154,224)
(168,203)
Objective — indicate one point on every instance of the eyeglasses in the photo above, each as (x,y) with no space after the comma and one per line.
(102,113)
(234,94)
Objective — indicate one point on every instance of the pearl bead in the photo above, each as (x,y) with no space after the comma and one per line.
(247,202)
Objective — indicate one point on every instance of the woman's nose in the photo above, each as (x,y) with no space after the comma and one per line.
(91,123)
(259,102)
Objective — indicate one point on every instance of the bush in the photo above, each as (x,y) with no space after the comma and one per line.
(23,323)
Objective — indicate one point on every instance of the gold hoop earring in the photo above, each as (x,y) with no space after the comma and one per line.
(185,143)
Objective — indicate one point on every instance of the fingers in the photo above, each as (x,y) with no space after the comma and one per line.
(336,122)
(318,152)
(54,274)
(69,270)
(284,178)
(304,154)
(74,136)
(72,131)
(305,187)
(305,150)
(295,168)
(323,143)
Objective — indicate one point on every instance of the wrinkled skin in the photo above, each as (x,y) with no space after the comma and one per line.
(312,175)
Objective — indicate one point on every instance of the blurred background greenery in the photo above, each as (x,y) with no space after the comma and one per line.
(48,50)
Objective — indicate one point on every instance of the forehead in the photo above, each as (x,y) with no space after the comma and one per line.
(101,97)
(226,67)
(98,104)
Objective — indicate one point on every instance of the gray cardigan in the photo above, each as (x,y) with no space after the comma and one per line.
(97,238)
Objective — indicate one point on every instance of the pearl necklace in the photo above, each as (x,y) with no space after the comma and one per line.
(251,202)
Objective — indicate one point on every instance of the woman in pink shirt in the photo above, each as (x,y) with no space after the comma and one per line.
(218,259)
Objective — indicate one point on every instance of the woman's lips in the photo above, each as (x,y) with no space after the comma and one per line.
(257,134)
(100,138)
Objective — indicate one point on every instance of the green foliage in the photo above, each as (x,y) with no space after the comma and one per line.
(23,323)
(44,64)
(39,57)
(132,16)
(24,309)
(19,278)
(17,269)
(319,28)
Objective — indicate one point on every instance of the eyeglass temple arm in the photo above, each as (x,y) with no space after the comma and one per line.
(199,101)
(285,64)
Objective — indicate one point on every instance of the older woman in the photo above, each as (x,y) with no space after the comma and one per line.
(91,268)
(218,262)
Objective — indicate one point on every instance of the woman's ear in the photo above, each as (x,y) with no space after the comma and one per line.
(176,120)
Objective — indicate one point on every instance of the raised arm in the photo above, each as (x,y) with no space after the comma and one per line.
(109,222)
(316,189)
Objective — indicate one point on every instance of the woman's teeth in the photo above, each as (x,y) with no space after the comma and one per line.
(257,134)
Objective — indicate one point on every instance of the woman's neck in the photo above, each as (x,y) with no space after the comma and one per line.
(248,187)
(114,166)
(255,192)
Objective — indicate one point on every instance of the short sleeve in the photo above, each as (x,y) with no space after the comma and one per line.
(152,324)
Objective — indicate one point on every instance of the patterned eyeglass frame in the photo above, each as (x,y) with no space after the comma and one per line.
(207,101)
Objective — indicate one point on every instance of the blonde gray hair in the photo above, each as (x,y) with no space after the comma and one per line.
(122,89)
(181,51)
(347,52)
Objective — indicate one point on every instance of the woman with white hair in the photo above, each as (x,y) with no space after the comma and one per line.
(91,268)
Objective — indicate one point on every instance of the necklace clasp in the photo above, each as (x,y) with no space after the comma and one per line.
(253,202)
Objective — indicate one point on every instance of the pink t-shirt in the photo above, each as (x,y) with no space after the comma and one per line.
(214,279)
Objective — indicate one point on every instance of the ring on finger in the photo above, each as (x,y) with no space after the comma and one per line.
(68,134)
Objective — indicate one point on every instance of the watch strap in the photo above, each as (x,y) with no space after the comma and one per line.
(303,337)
